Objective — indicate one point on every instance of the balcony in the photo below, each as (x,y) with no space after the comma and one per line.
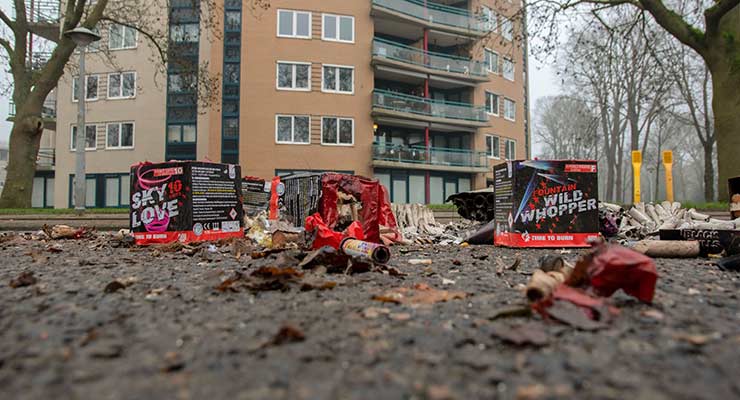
(43,17)
(452,20)
(433,159)
(398,55)
(46,159)
(391,104)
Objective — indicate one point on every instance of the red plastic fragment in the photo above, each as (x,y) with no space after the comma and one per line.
(616,267)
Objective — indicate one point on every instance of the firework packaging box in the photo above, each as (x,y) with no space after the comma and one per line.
(185,202)
(546,203)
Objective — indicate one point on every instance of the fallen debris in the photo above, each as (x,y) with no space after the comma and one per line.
(58,232)
(668,248)
(374,252)
(529,333)
(24,279)
(475,205)
(286,334)
(419,294)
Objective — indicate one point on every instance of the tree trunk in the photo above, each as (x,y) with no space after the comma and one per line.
(726,103)
(709,171)
(25,139)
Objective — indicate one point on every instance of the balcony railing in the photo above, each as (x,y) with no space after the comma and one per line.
(46,158)
(432,108)
(437,61)
(433,156)
(435,13)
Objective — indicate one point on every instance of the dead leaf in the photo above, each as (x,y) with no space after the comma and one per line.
(419,294)
(114,287)
(573,315)
(38,257)
(286,334)
(229,284)
(24,279)
(173,362)
(511,311)
(698,340)
(524,334)
(275,272)
(327,285)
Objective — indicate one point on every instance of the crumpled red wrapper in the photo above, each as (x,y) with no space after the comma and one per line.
(326,236)
(616,267)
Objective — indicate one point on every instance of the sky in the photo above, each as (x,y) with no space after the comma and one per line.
(542,80)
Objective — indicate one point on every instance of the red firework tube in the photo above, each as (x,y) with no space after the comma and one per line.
(376,252)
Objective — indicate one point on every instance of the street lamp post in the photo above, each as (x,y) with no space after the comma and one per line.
(82,38)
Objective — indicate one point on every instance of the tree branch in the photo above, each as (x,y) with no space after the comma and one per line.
(4,17)
(152,39)
(714,14)
(8,48)
(676,25)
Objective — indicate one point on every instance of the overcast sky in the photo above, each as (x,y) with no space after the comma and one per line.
(543,82)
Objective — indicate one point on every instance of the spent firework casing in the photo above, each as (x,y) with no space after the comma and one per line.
(372,251)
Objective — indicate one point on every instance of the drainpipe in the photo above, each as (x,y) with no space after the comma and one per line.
(527,121)
(427,179)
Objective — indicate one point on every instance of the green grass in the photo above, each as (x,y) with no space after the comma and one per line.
(442,207)
(53,211)
(707,206)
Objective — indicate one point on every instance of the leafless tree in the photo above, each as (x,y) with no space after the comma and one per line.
(711,28)
(566,127)
(31,84)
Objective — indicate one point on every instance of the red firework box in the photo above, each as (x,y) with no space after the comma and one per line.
(541,203)
(185,202)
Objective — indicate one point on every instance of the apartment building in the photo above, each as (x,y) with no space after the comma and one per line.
(423,95)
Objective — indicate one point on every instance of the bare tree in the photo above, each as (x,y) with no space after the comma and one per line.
(32,84)
(710,28)
(566,128)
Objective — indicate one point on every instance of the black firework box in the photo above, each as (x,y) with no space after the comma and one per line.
(545,203)
(186,201)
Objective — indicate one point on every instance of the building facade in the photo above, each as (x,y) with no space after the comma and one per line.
(425,96)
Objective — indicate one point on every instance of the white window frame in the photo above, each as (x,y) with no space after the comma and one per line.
(295,34)
(509,77)
(338,25)
(120,135)
(497,149)
(72,134)
(497,70)
(497,110)
(338,84)
(123,36)
(293,63)
(507,29)
(506,117)
(292,129)
(339,120)
(122,97)
(510,148)
(75,79)
(491,19)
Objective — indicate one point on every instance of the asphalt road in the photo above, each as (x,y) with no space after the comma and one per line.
(102,322)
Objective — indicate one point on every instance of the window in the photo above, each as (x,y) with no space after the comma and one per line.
(233,20)
(120,136)
(509,110)
(185,33)
(91,137)
(510,149)
(489,18)
(507,29)
(294,76)
(493,146)
(508,69)
(338,28)
(294,24)
(121,37)
(182,83)
(122,86)
(91,88)
(337,131)
(338,79)
(492,105)
(292,129)
(181,134)
(492,61)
